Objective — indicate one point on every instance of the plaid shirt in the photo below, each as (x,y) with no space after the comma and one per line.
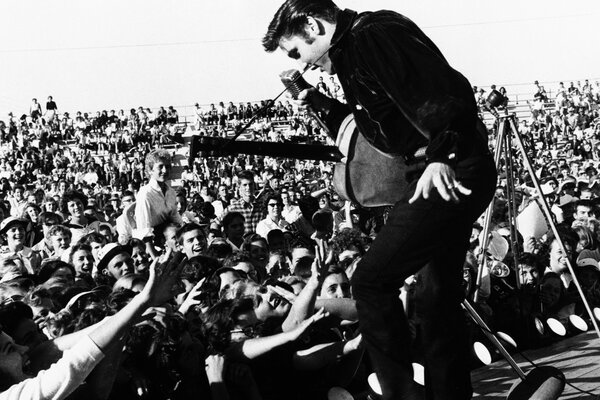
(252,212)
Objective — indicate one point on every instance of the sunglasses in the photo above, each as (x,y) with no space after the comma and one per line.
(249,331)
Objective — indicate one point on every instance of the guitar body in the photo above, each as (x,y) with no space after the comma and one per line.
(366,175)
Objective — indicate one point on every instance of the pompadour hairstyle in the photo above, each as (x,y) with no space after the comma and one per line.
(291,18)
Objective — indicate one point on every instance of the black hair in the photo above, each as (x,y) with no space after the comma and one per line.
(188,228)
(291,19)
(72,195)
(12,314)
(219,321)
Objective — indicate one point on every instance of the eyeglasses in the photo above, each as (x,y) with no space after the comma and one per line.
(248,331)
(275,205)
(12,299)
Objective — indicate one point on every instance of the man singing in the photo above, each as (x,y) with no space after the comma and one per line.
(404,96)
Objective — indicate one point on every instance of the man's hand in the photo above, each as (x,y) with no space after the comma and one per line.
(313,100)
(441,177)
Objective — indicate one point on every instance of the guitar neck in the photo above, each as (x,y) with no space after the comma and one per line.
(205,146)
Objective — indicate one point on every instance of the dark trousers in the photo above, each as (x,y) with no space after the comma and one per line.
(429,237)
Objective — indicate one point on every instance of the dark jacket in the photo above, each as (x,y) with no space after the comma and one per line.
(401,90)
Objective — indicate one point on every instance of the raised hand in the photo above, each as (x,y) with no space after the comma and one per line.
(307,323)
(191,298)
(163,280)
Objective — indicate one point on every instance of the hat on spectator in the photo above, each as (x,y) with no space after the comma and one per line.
(9,222)
(110,251)
(588,262)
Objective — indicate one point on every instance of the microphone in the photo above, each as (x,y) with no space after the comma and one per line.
(294,83)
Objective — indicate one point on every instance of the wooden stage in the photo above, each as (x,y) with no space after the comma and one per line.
(577,357)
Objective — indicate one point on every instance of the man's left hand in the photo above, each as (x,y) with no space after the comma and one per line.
(441,177)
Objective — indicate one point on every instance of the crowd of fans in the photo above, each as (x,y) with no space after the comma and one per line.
(236,282)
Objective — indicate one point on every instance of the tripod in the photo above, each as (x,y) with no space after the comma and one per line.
(507,130)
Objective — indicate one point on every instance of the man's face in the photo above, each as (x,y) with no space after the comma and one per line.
(160,171)
(246,189)
(336,286)
(582,213)
(193,243)
(126,200)
(528,275)
(60,241)
(311,49)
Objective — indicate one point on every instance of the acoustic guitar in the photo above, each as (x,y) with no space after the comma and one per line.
(363,174)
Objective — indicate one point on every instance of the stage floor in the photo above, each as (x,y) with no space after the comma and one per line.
(577,357)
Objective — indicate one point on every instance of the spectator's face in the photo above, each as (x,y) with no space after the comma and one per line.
(107,234)
(285,198)
(235,230)
(60,241)
(170,235)
(96,246)
(259,253)
(246,189)
(558,260)
(528,275)
(248,268)
(268,304)
(120,265)
(274,208)
(244,327)
(32,212)
(336,286)
(583,213)
(228,278)
(15,235)
(140,259)
(83,261)
(75,208)
(193,243)
(160,171)
(181,204)
(19,194)
(64,273)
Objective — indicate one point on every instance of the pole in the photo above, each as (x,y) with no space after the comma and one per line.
(548,214)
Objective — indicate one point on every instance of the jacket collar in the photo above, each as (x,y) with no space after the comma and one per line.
(344,23)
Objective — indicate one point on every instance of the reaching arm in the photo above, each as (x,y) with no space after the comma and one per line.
(256,347)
